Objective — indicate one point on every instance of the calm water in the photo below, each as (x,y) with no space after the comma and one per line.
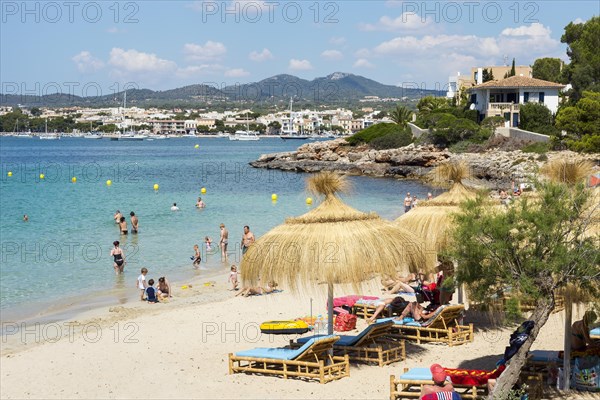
(63,251)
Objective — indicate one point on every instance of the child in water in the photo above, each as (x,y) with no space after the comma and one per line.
(208,243)
(196,258)
(233,278)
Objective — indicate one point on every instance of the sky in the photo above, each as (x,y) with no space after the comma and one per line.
(100,47)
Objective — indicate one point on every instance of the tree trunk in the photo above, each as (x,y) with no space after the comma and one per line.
(510,376)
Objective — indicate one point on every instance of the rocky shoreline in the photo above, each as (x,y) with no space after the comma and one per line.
(493,169)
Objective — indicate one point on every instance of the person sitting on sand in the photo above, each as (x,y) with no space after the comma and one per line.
(151,292)
(257,290)
(580,332)
(163,288)
(233,278)
(440,384)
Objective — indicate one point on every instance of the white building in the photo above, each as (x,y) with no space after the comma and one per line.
(504,97)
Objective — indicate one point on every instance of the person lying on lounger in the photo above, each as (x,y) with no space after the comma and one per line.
(440,384)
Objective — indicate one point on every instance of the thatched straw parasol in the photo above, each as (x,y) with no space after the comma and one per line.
(332,244)
(432,219)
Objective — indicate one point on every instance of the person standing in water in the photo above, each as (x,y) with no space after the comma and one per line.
(134,222)
(247,239)
(117,216)
(223,241)
(123,226)
(174,207)
(25,218)
(118,258)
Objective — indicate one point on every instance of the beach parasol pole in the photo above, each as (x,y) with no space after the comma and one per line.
(330,308)
(567,342)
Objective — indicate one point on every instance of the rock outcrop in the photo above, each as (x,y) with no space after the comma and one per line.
(493,169)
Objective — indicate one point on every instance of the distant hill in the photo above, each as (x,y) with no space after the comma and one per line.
(337,88)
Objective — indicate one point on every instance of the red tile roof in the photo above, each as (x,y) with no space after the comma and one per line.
(518,81)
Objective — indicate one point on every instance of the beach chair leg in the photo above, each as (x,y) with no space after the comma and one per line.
(321,371)
(230,364)
(392,387)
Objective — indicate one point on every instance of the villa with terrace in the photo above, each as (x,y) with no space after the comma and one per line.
(504,97)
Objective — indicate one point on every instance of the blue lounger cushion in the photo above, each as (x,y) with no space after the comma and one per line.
(595,332)
(347,340)
(279,353)
(403,322)
(544,356)
(417,374)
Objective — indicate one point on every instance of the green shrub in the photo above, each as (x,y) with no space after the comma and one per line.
(379,131)
(537,147)
(392,140)
(513,310)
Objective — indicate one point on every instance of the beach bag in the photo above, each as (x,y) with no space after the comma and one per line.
(345,322)
(586,374)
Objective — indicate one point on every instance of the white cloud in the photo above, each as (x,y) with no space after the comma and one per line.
(436,56)
(194,71)
(133,61)
(264,55)
(363,63)
(236,73)
(362,53)
(332,55)
(406,21)
(210,51)
(85,62)
(337,40)
(535,29)
(300,65)
(578,21)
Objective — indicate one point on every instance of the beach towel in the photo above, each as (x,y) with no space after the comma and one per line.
(473,376)
(350,300)
(442,396)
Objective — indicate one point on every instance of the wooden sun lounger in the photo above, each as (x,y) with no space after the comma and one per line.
(407,387)
(312,361)
(595,334)
(366,311)
(370,346)
(444,328)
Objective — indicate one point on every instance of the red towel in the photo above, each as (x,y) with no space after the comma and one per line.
(350,300)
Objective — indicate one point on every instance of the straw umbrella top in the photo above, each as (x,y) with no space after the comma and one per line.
(432,219)
(333,243)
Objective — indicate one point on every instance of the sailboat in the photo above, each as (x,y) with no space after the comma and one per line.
(21,134)
(292,135)
(131,135)
(47,136)
(246,135)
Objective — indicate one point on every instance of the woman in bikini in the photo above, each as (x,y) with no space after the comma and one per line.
(118,258)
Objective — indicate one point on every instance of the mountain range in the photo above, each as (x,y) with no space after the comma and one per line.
(337,88)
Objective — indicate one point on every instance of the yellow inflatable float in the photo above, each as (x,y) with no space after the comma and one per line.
(284,327)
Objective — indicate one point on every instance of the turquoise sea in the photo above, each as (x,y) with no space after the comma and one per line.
(61,255)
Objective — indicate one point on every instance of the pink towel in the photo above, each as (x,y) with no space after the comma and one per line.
(350,300)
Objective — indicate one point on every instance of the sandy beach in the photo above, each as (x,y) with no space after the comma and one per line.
(179,350)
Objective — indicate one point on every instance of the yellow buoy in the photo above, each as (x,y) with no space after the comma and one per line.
(197,146)
(9,173)
(274,197)
(156,186)
(108,182)
(42,176)
(203,190)
(73,179)
(309,200)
